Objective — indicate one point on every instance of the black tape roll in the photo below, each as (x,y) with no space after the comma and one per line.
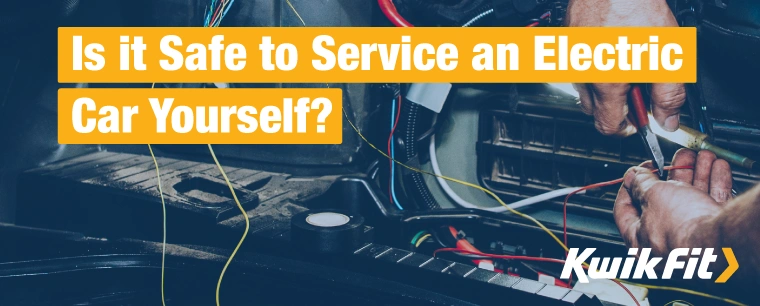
(327,231)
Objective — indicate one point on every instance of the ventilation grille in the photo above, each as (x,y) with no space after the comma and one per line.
(543,143)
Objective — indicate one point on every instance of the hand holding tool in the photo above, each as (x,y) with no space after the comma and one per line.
(638,115)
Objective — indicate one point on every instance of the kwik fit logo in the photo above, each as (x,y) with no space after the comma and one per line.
(691,261)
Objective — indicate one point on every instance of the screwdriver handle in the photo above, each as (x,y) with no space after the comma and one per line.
(638,109)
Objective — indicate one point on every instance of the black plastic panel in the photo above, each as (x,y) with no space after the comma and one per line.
(115,194)
(516,290)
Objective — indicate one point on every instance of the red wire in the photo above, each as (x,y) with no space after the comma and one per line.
(527,258)
(564,205)
(627,291)
(511,257)
(214,16)
(599,185)
(544,16)
(389,9)
(497,256)
(390,139)
(463,244)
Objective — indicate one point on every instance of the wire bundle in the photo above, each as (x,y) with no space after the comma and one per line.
(389,10)
(211,20)
(600,185)
(216,12)
(395,114)
(220,9)
(540,19)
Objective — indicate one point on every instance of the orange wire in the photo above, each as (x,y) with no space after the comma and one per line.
(526,258)
(497,256)
(475,251)
(600,185)
(627,291)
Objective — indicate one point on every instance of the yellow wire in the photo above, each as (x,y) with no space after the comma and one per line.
(493,195)
(687,291)
(512,210)
(163,206)
(295,11)
(245,216)
(490,193)
(423,238)
(242,211)
(221,11)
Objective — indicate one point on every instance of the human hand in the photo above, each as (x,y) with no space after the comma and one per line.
(664,215)
(607,102)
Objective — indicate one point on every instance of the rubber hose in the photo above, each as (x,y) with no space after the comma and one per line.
(416,183)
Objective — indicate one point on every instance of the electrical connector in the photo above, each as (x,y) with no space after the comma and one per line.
(430,95)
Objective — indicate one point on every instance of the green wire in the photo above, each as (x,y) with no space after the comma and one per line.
(414,240)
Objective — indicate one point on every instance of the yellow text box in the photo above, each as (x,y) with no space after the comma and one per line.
(200,116)
(368,63)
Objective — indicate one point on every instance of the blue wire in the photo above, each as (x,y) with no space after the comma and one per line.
(224,13)
(227,9)
(393,164)
(205,20)
(211,12)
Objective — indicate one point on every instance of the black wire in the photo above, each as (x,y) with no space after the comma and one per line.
(435,236)
(446,232)
(541,22)
(439,240)
(427,134)
(431,130)
(529,268)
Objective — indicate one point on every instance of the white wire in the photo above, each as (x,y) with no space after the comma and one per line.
(519,204)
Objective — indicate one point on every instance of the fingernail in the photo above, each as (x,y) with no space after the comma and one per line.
(629,130)
(671,123)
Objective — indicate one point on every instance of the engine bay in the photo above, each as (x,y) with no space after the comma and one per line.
(497,173)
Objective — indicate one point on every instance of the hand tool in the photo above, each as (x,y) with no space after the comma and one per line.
(638,115)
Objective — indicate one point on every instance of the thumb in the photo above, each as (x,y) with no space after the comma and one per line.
(639,182)
(667,100)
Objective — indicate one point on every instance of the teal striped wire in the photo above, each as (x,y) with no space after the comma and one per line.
(414,239)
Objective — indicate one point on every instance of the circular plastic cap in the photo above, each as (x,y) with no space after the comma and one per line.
(327,219)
